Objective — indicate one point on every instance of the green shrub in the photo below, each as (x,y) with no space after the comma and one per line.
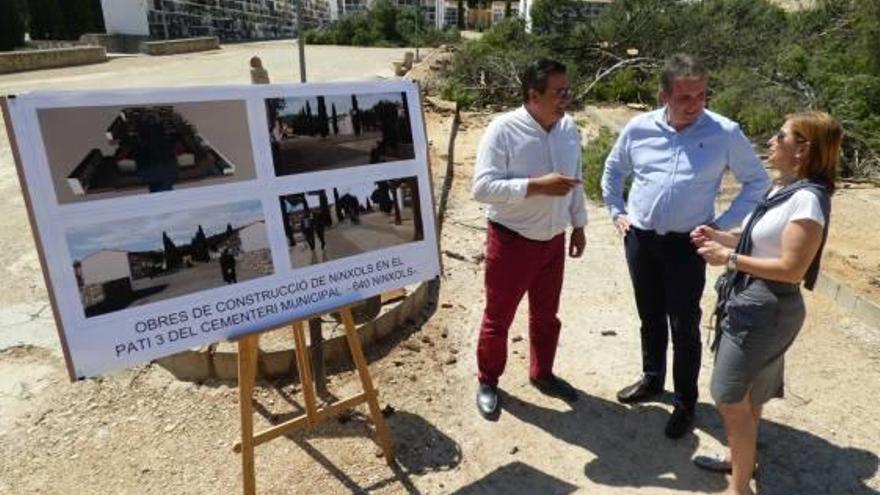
(11,26)
(64,19)
(764,62)
(627,85)
(384,25)
(593,162)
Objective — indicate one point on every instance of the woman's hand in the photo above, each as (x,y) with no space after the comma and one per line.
(714,253)
(703,234)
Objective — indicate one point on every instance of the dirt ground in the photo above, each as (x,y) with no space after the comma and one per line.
(140,431)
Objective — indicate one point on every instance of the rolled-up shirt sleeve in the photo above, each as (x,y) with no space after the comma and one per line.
(617,167)
(491,182)
(749,171)
(577,207)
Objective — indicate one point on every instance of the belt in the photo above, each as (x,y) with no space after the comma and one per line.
(507,230)
(667,235)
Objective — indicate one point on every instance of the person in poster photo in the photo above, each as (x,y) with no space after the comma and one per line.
(528,173)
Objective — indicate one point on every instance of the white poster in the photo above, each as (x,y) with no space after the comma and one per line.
(168,219)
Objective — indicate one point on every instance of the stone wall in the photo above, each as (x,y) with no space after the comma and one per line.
(115,43)
(187,45)
(44,59)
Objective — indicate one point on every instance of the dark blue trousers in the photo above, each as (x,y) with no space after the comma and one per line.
(668,277)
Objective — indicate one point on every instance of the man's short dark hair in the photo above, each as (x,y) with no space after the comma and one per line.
(681,66)
(536,75)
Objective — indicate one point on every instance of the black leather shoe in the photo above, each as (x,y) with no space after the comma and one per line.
(639,391)
(555,387)
(716,463)
(680,423)
(488,401)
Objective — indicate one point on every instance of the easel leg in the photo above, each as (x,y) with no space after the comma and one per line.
(247,369)
(383,436)
(303,364)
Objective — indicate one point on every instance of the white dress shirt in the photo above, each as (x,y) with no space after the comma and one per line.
(513,149)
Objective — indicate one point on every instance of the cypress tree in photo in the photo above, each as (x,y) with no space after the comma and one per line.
(323,121)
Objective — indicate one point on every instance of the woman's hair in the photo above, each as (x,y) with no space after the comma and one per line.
(824,134)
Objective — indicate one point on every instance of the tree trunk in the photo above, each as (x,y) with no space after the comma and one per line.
(460,12)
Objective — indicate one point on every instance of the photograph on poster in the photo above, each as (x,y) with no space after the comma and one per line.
(333,223)
(315,133)
(112,151)
(168,255)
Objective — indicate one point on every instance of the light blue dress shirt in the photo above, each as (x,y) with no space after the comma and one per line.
(676,175)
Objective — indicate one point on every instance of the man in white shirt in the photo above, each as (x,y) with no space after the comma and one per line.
(528,173)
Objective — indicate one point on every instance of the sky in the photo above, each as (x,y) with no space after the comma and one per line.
(342,102)
(361,190)
(180,227)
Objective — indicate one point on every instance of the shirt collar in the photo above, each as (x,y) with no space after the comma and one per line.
(660,118)
(527,118)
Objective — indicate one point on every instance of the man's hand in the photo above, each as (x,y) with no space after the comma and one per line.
(703,234)
(577,242)
(621,223)
(552,184)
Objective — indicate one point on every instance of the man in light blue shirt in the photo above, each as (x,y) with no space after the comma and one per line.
(676,156)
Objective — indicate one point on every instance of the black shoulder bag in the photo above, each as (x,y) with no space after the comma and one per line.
(731,280)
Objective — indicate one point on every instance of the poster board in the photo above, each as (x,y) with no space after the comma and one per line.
(168,219)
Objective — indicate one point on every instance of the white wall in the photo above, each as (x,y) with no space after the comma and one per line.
(126,17)
(104,266)
(253,237)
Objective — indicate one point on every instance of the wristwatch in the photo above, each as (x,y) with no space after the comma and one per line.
(731,261)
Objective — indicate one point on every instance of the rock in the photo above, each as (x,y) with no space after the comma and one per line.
(411,346)
(608,333)
(451,360)
(514,450)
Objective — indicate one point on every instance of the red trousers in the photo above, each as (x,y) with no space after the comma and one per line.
(516,265)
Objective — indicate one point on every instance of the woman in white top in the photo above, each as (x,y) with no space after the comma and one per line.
(762,311)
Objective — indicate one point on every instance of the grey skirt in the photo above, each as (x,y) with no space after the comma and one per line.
(762,321)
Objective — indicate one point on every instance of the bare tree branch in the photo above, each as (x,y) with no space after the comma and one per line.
(645,63)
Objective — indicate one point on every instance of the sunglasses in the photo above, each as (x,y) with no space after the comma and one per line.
(562,92)
(780,136)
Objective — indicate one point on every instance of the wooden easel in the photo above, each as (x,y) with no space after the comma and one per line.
(247,372)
